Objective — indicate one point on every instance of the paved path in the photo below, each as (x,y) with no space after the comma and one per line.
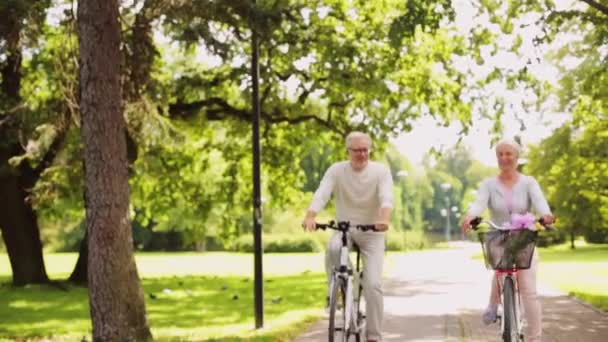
(440,295)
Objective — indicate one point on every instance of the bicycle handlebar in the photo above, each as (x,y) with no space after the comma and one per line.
(344,226)
(478,220)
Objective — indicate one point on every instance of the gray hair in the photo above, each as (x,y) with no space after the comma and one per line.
(357,135)
(509,142)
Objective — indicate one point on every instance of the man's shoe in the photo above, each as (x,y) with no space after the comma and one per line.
(490,315)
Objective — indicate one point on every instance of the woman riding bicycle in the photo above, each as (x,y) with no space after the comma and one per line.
(512,193)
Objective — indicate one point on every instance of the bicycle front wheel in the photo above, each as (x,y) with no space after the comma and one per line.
(359,314)
(337,312)
(511,329)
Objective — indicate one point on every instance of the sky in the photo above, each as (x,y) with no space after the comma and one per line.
(427,134)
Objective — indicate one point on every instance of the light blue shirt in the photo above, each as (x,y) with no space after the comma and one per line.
(526,196)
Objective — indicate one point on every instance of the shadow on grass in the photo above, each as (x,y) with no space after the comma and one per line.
(174,305)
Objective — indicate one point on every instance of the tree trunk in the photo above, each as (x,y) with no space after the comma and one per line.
(572,238)
(19,226)
(79,274)
(116,297)
(18,221)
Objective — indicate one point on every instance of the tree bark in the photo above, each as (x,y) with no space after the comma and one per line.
(116,297)
(79,274)
(19,225)
(18,221)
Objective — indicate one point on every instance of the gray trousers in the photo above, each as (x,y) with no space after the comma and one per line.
(372,246)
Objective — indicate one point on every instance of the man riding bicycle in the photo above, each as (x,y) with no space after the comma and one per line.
(363,192)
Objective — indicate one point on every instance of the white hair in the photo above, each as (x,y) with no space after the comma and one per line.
(357,135)
(511,143)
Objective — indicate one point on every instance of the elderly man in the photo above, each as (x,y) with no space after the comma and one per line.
(363,192)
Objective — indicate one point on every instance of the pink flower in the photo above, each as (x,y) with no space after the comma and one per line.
(526,220)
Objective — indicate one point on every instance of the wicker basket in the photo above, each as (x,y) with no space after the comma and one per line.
(508,249)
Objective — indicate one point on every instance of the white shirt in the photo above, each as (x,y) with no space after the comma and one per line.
(359,195)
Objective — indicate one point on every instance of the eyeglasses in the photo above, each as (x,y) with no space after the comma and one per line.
(360,150)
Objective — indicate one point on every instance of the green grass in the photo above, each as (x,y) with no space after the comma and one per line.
(582,272)
(189,296)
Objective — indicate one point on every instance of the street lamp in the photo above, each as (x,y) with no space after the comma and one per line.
(446,187)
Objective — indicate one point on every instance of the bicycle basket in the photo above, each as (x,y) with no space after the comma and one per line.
(508,249)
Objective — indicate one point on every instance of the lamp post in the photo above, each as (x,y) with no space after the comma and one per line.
(446,212)
(258,275)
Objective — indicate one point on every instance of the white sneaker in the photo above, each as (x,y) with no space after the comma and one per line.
(490,315)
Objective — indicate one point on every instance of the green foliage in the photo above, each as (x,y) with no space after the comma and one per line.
(326,68)
(412,192)
(572,167)
(280,243)
(423,16)
(550,238)
(410,240)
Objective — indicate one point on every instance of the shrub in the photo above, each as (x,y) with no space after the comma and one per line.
(280,243)
(407,240)
(549,238)
(395,241)
(596,235)
(415,240)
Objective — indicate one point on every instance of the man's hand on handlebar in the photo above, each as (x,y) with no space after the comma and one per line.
(381,226)
(309,224)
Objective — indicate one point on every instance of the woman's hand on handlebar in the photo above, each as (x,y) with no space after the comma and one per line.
(548,220)
(466,224)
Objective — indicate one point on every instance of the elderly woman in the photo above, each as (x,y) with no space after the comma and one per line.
(509,194)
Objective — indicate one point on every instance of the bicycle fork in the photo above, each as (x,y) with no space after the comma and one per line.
(515,302)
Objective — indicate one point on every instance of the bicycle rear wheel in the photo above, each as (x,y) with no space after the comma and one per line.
(361,323)
(337,312)
(511,329)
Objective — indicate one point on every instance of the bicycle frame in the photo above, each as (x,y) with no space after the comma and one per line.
(345,279)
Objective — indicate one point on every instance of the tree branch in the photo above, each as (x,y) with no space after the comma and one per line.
(218,109)
(598,6)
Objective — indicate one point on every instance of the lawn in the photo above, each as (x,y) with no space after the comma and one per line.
(582,272)
(209,297)
(202,297)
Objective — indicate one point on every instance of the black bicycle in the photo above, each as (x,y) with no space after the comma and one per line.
(346,318)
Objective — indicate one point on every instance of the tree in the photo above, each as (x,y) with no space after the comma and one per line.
(330,67)
(117,300)
(413,192)
(18,221)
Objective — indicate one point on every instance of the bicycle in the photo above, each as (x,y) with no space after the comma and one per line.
(346,318)
(507,250)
